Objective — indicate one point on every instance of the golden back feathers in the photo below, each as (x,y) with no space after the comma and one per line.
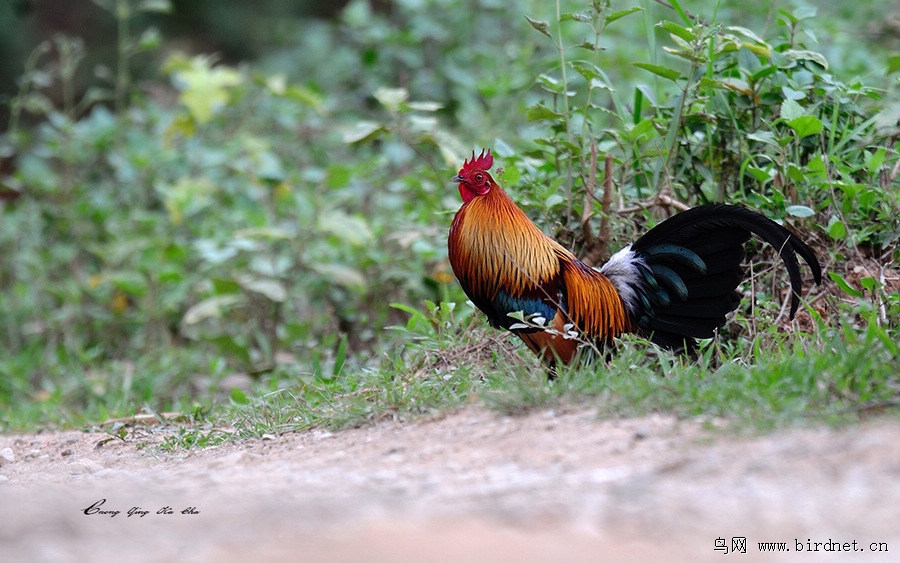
(594,304)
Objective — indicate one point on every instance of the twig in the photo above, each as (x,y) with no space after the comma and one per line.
(661,199)
(894,171)
(672,202)
(671,7)
(599,249)
(605,226)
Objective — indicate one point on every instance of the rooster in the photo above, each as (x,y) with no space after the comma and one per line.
(673,285)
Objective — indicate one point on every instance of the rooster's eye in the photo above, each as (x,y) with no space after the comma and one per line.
(479,178)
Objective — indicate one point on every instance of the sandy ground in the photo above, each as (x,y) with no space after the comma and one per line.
(467,486)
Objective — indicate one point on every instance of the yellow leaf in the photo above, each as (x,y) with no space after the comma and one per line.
(119,302)
(204,88)
(761,50)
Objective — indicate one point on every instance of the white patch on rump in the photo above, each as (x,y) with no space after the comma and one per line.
(623,271)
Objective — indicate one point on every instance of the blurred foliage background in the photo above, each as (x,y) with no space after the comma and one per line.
(200,196)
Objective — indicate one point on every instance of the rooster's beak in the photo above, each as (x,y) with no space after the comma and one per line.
(458,179)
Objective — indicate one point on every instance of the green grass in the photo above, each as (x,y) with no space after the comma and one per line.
(445,357)
(770,381)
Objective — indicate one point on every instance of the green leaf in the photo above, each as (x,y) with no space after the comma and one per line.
(790,109)
(795,173)
(590,46)
(746,33)
(766,137)
(850,189)
(190,195)
(806,125)
(238,397)
(684,51)
(549,83)
(424,106)
(893,65)
(875,160)
(341,274)
(213,252)
(265,233)
(677,30)
(804,55)
(643,127)
(362,131)
(226,343)
(416,319)
(815,169)
(338,176)
(707,83)
(791,94)
(150,39)
(648,94)
(801,211)
(447,308)
(210,308)
(621,14)
(759,174)
(277,84)
(511,175)
(868,198)
(306,96)
(845,287)
(553,199)
(351,229)
(423,123)
(868,283)
(836,229)
(541,25)
(805,13)
(340,356)
(222,286)
(270,288)
(587,70)
(407,309)
(659,70)
(391,98)
(131,283)
(680,11)
(540,112)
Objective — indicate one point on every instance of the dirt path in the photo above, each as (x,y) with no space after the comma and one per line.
(468,486)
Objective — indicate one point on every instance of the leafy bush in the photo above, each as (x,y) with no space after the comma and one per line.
(742,119)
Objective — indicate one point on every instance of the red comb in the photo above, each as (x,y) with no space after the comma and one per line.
(483,162)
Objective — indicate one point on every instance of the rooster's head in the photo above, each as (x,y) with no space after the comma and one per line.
(473,177)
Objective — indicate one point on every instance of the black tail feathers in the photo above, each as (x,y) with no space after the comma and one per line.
(691,267)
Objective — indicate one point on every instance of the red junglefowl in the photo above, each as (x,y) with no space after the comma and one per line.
(675,284)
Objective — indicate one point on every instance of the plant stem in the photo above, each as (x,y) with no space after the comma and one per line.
(566,116)
(123,78)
